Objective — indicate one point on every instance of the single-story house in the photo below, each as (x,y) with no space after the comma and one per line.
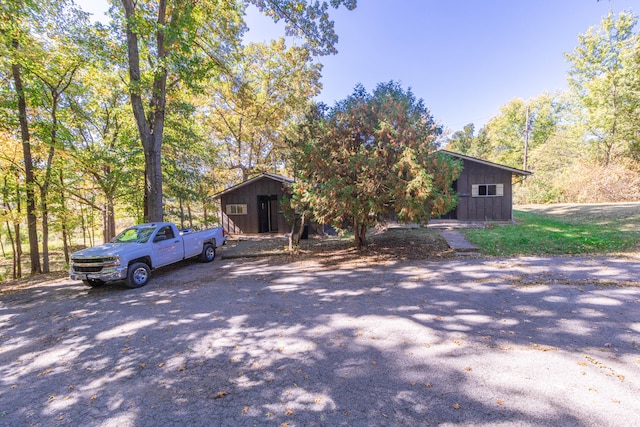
(485,190)
(484,194)
(253,206)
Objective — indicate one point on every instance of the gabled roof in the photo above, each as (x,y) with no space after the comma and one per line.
(487,163)
(272,176)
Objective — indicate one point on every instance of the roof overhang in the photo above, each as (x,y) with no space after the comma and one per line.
(514,171)
(272,176)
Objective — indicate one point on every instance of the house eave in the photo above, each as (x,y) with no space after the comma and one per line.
(273,176)
(514,171)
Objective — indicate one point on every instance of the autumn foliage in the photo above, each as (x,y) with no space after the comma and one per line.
(369,158)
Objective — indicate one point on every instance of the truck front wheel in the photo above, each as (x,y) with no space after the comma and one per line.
(138,275)
(208,253)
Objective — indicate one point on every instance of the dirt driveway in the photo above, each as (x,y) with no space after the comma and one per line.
(523,341)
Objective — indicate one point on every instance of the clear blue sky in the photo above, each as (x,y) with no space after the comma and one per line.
(464,58)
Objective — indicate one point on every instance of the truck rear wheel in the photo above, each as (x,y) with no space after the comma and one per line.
(138,275)
(208,253)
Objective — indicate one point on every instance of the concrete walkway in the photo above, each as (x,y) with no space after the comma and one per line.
(458,242)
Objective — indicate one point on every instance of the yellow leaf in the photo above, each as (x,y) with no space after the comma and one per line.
(221,394)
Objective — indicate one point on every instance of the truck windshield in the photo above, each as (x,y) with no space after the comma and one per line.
(134,235)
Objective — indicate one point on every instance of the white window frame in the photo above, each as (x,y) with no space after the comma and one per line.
(236,209)
(475,190)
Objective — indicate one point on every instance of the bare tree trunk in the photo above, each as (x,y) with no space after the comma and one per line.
(16,261)
(65,243)
(291,234)
(150,128)
(108,220)
(44,190)
(83,224)
(4,254)
(63,220)
(296,235)
(111,219)
(17,233)
(105,232)
(34,254)
(303,218)
(181,206)
(45,229)
(204,208)
(153,179)
(91,228)
(360,234)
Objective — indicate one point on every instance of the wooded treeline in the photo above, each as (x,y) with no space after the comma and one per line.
(582,145)
(145,118)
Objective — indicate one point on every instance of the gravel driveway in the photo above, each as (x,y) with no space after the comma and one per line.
(523,341)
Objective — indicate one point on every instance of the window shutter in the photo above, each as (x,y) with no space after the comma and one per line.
(474,190)
(499,189)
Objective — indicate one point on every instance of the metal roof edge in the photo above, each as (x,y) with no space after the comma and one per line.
(273,176)
(488,163)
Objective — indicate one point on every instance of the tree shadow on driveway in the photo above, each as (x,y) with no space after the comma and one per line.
(528,341)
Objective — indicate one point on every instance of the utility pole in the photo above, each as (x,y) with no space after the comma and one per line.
(526,141)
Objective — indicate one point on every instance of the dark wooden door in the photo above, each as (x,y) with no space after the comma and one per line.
(267,214)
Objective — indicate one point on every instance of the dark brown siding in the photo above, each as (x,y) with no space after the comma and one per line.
(248,194)
(483,208)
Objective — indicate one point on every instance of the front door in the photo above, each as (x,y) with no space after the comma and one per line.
(267,214)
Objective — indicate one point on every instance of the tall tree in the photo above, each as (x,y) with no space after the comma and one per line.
(14,30)
(12,194)
(462,141)
(183,41)
(371,156)
(522,126)
(598,79)
(105,148)
(250,108)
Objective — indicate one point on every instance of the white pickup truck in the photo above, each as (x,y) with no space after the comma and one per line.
(132,254)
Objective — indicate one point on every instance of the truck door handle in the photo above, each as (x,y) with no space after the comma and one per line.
(176,241)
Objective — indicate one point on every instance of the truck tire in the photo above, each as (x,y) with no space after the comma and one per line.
(94,283)
(208,253)
(138,275)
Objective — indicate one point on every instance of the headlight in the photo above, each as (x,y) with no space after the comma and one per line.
(113,261)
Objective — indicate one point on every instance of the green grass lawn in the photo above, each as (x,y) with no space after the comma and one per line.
(538,235)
